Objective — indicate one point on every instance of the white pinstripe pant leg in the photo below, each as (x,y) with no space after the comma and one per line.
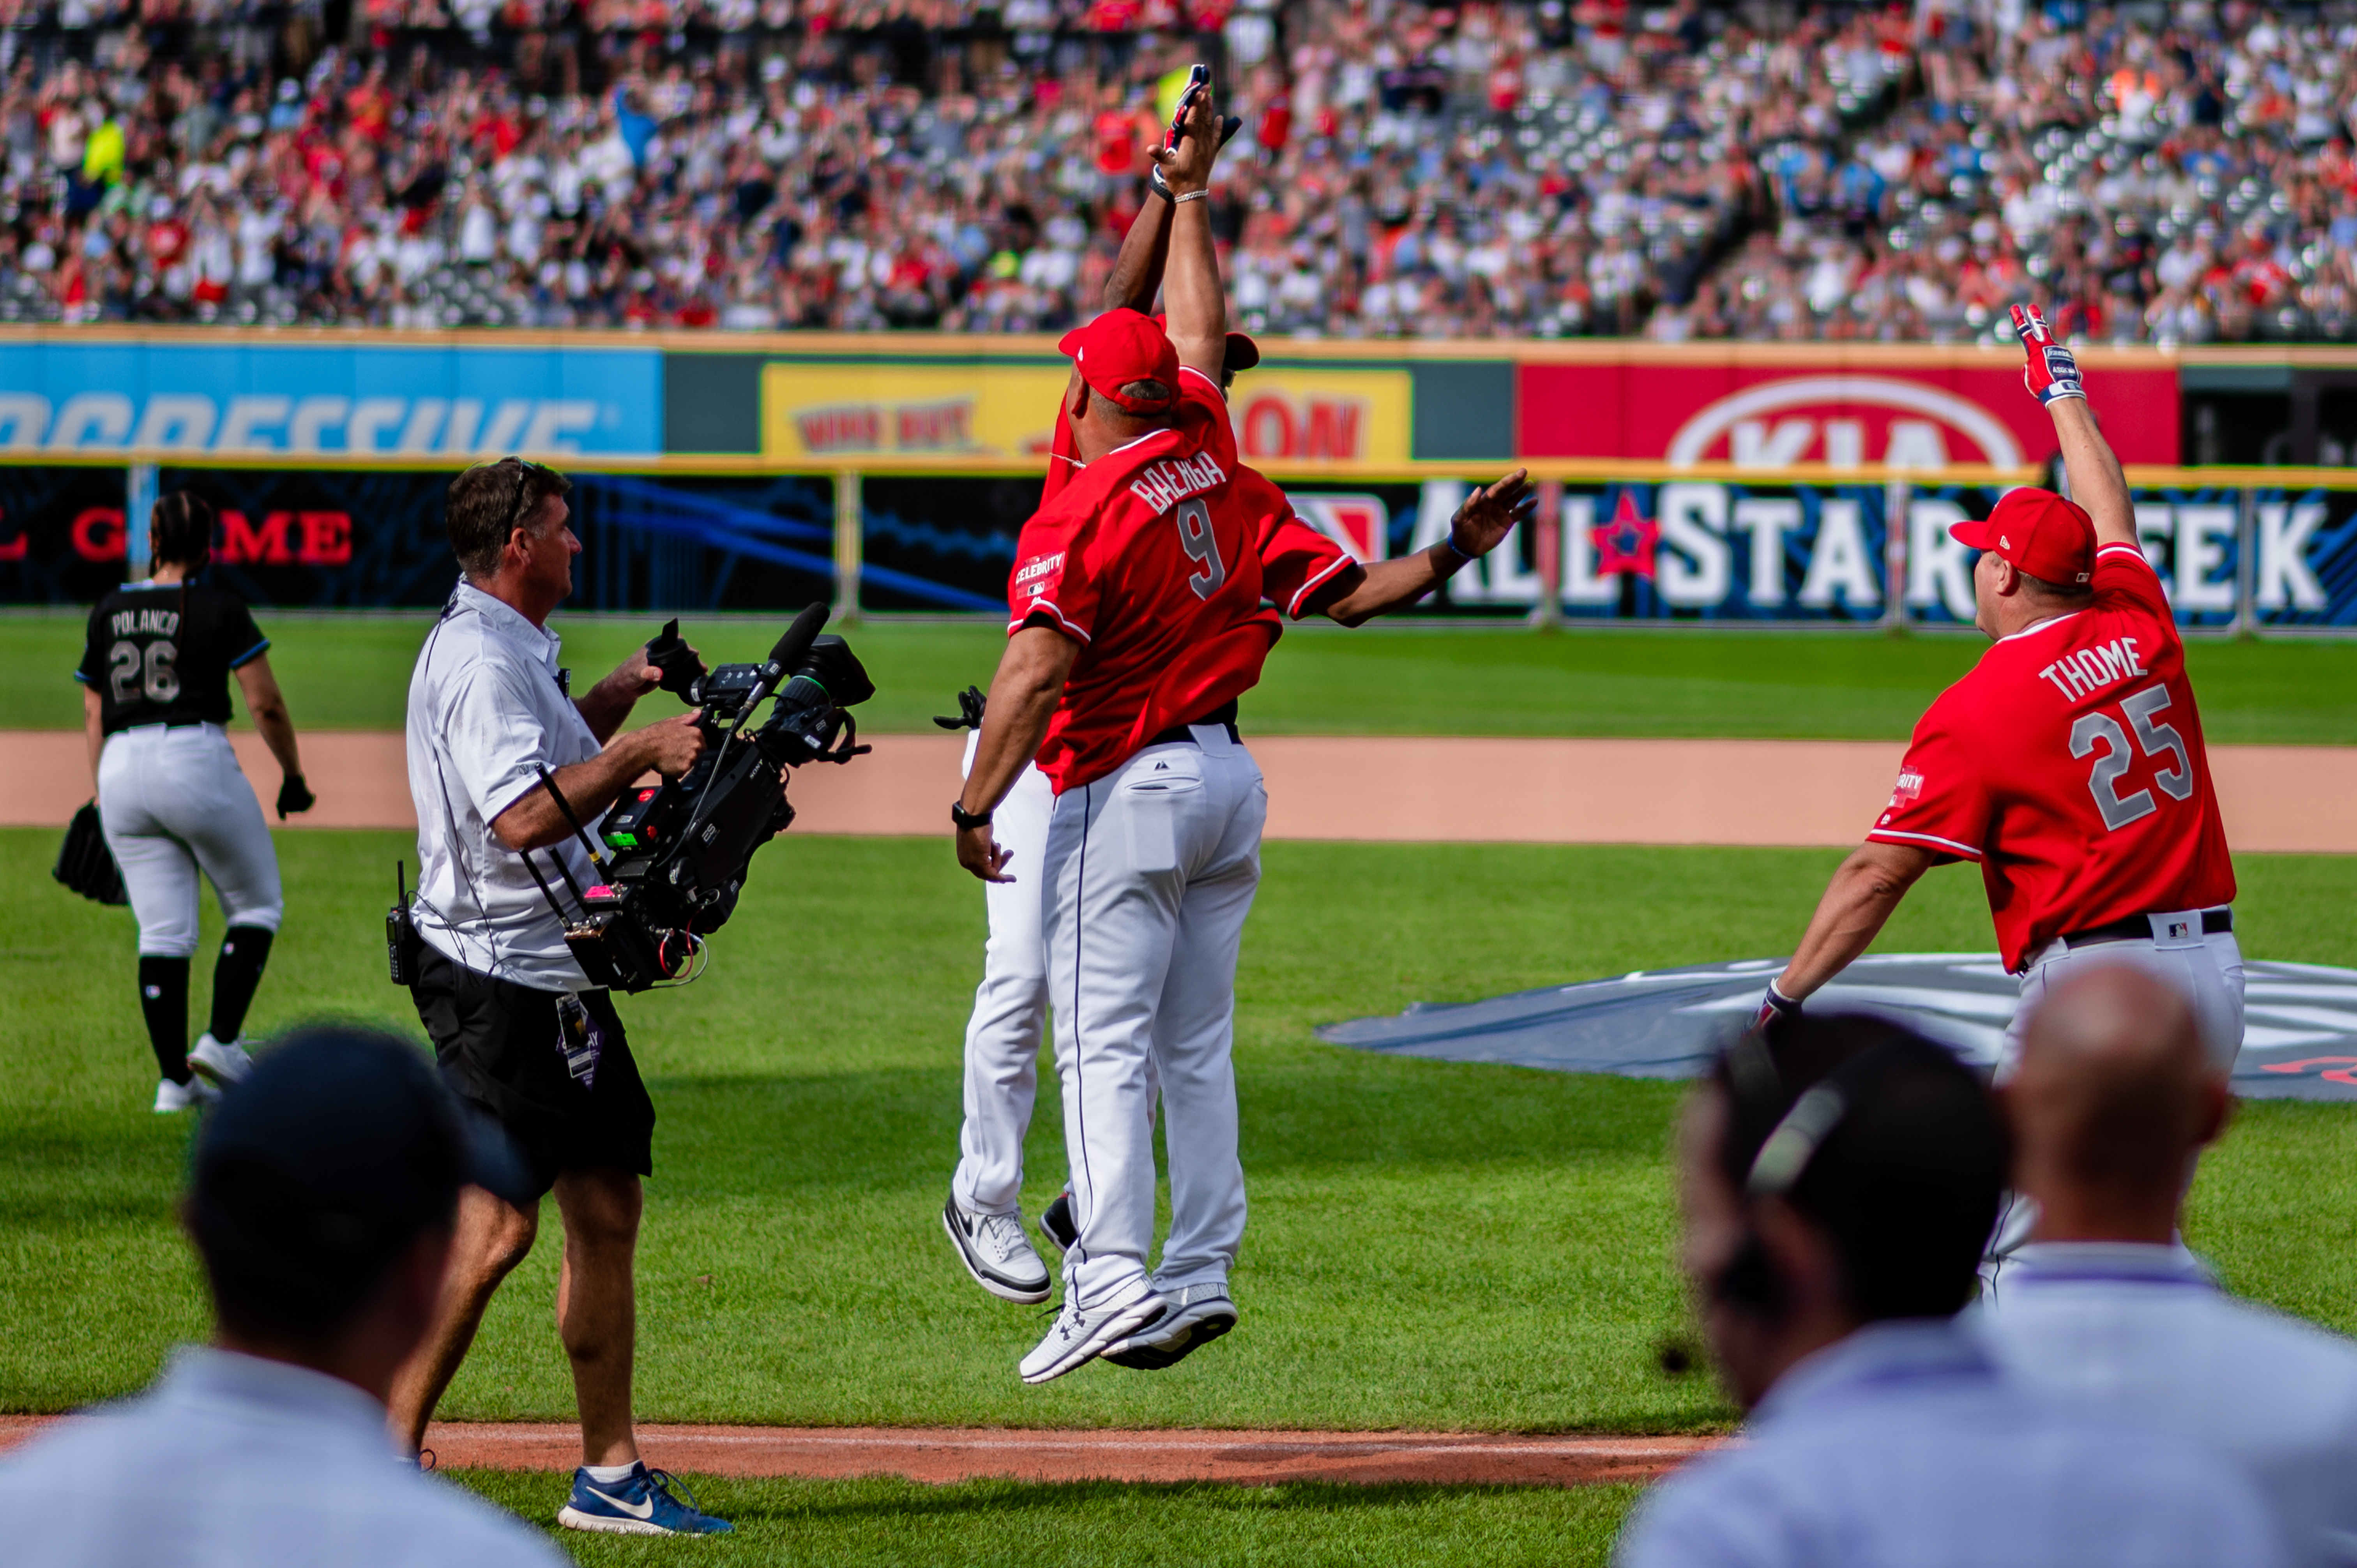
(1151,872)
(1010,1009)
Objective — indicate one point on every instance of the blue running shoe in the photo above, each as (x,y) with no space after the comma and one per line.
(642,1505)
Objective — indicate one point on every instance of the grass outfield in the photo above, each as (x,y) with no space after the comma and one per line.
(985,1524)
(353,671)
(1433,1245)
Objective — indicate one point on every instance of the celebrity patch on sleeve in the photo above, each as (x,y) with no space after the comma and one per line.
(1906,792)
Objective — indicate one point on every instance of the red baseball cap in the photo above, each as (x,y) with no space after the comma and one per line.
(1120,347)
(2051,538)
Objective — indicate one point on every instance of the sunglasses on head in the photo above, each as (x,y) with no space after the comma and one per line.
(525,470)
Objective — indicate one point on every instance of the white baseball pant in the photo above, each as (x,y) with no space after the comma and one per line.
(2206,970)
(172,800)
(1151,871)
(1011,1005)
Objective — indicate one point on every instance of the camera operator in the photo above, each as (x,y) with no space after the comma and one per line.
(518,1028)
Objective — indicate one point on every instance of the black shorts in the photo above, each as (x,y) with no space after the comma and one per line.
(497,1043)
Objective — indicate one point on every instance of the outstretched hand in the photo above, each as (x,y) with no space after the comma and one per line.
(2049,370)
(1188,167)
(1491,513)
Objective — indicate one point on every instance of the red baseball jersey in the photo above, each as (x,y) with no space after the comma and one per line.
(1157,557)
(1294,558)
(2069,762)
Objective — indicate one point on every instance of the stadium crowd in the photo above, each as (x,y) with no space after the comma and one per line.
(2175,173)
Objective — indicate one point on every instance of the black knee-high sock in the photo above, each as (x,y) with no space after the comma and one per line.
(164,997)
(245,949)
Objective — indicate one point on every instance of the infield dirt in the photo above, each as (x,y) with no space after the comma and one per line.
(1497,789)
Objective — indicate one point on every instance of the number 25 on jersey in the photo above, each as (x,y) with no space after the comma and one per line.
(2100,735)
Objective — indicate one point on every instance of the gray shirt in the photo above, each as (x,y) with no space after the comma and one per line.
(486,714)
(234,1462)
(1902,1446)
(2144,1330)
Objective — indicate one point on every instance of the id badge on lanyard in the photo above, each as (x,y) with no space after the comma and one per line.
(578,1040)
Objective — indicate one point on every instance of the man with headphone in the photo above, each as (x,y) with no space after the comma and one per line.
(1838,1177)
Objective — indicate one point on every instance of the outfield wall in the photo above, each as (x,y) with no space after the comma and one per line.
(1745,484)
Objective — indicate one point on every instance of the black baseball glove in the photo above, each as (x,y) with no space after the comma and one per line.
(293,795)
(85,864)
(971,702)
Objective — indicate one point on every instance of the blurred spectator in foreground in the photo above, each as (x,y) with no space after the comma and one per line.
(321,1204)
(2106,1306)
(1838,1180)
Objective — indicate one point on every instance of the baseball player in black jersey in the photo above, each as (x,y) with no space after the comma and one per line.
(154,676)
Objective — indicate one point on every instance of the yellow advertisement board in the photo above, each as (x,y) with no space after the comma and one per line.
(1006,411)
(1305,415)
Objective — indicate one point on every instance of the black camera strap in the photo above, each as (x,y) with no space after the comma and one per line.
(548,782)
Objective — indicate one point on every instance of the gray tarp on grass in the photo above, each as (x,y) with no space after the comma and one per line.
(2299,1041)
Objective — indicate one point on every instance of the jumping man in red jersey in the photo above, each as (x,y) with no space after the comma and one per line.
(1303,572)
(1137,621)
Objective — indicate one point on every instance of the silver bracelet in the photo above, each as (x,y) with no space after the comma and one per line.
(1192,195)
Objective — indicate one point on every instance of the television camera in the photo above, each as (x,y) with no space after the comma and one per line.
(674,854)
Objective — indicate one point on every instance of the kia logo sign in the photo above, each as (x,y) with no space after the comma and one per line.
(1845,422)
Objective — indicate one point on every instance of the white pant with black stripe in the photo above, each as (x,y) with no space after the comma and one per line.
(172,801)
(1151,871)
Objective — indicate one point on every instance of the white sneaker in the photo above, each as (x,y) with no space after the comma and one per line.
(220,1064)
(174,1098)
(997,1253)
(1198,1315)
(1078,1337)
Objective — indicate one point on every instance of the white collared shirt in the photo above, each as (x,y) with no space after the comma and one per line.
(1902,1446)
(230,1461)
(486,714)
(2143,1330)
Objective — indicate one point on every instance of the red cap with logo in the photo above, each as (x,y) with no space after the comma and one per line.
(2051,538)
(1121,347)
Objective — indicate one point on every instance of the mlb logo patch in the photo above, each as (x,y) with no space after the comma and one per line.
(2180,930)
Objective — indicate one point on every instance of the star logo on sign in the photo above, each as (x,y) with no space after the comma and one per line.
(1627,542)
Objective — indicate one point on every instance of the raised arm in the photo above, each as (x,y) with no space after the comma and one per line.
(1136,275)
(1197,305)
(2050,372)
(1138,271)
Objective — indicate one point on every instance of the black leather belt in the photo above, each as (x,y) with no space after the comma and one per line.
(2138,928)
(1224,716)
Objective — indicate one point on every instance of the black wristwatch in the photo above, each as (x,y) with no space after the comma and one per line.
(965,819)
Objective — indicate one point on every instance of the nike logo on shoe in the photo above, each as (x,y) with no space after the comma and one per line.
(636,1511)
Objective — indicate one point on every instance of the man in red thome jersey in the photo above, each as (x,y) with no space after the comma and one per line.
(1137,621)
(2067,763)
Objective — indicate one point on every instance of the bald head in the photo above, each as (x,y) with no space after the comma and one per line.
(2112,1098)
